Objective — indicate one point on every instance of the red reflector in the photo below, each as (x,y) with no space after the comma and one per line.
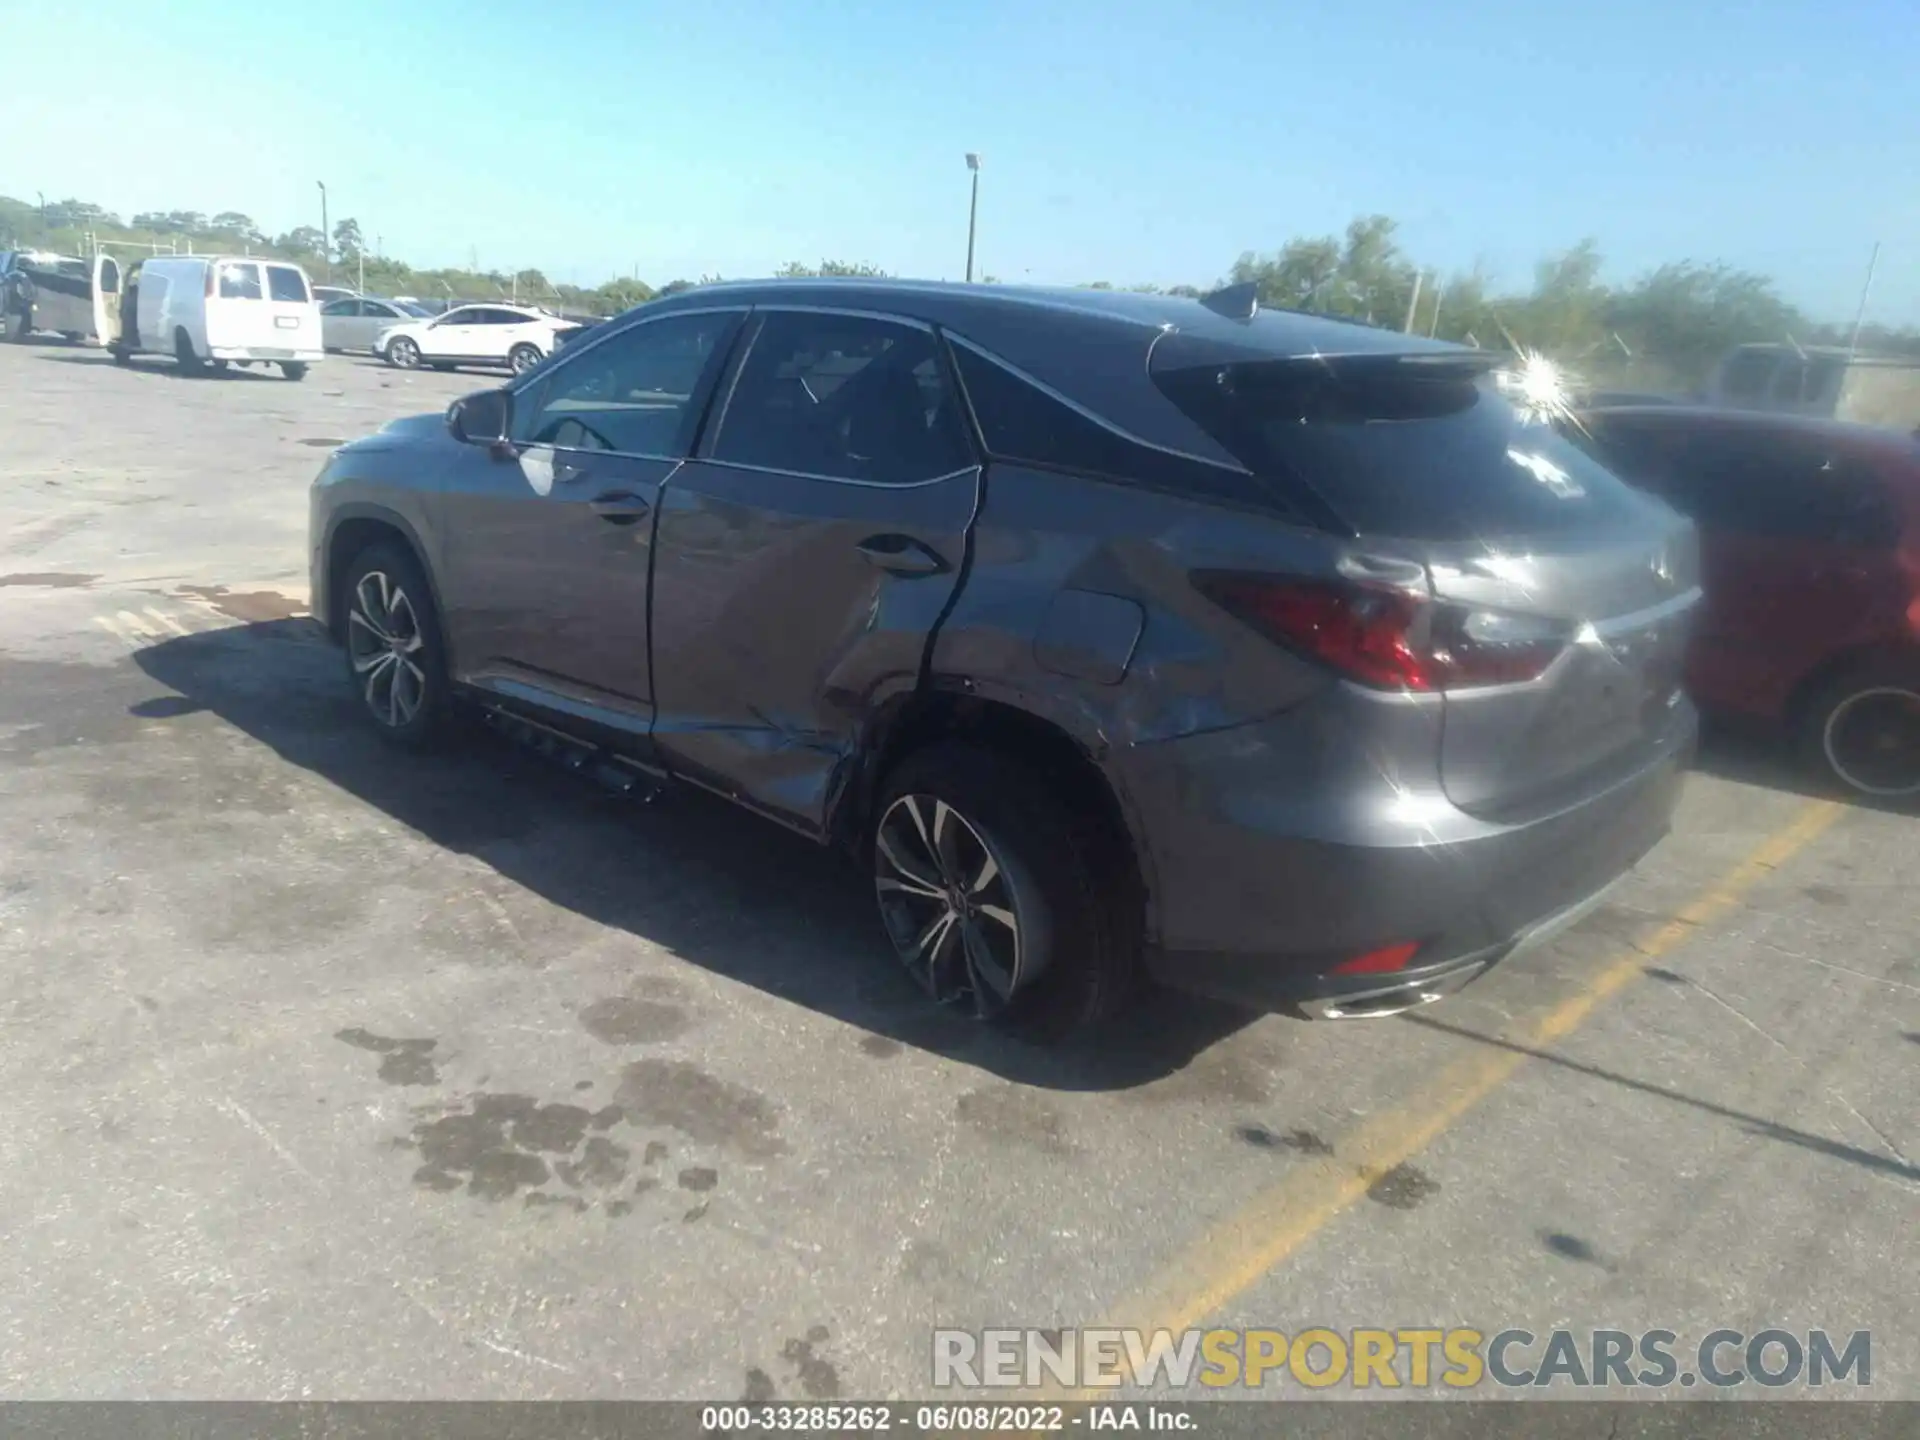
(1374,962)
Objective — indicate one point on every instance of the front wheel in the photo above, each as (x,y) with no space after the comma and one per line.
(403,353)
(293,369)
(395,656)
(1000,899)
(1862,731)
(523,358)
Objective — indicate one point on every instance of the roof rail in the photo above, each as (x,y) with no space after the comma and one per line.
(1235,302)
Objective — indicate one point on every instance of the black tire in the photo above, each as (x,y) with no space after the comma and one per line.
(184,355)
(72,337)
(403,354)
(388,568)
(121,355)
(1074,959)
(1860,731)
(17,327)
(523,358)
(293,369)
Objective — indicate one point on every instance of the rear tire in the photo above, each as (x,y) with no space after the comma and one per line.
(999,898)
(17,328)
(1860,732)
(293,369)
(183,353)
(523,358)
(396,659)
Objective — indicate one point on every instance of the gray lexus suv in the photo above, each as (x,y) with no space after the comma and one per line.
(1119,637)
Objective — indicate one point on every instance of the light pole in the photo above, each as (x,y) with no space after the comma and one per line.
(326,240)
(973,211)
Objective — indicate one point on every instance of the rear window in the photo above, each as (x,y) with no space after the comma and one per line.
(239,282)
(1423,453)
(286,283)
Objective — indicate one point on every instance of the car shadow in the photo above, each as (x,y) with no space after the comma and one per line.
(1750,756)
(698,877)
(162,365)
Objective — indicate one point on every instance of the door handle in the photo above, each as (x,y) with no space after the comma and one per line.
(619,507)
(901,555)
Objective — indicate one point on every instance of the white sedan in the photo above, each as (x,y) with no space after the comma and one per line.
(509,335)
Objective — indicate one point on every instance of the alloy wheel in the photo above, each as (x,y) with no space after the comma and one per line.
(1872,741)
(523,359)
(404,353)
(384,644)
(949,905)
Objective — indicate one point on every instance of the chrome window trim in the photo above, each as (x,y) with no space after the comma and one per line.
(1082,411)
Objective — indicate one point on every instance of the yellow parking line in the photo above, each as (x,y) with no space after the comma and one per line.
(161,618)
(112,627)
(1237,1252)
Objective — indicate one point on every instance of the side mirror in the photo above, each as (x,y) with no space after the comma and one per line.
(482,418)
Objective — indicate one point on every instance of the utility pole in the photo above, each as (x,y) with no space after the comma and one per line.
(1439,297)
(1865,290)
(326,237)
(973,211)
(1413,305)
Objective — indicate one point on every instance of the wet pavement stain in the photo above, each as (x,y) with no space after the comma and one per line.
(1008,1114)
(656,1152)
(623,1020)
(759,1386)
(1825,895)
(1402,1188)
(253,606)
(601,1166)
(1663,975)
(320,440)
(49,580)
(681,1096)
(1301,1142)
(540,1200)
(699,1177)
(880,1047)
(404,1062)
(696,1212)
(818,1379)
(1570,1247)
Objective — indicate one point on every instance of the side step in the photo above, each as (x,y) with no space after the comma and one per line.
(614,773)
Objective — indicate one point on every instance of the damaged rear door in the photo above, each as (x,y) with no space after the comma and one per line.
(804,557)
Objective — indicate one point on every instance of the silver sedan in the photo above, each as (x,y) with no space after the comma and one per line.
(354,324)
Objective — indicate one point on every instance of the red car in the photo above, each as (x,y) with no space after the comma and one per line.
(1810,558)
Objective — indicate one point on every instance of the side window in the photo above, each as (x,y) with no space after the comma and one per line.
(375,310)
(498,317)
(239,282)
(287,284)
(340,307)
(845,396)
(459,317)
(109,278)
(634,393)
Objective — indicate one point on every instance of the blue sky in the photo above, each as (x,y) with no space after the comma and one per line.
(1126,142)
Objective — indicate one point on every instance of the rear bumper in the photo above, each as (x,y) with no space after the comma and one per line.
(1262,917)
(270,354)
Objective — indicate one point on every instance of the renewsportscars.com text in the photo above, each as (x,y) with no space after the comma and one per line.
(1413,1358)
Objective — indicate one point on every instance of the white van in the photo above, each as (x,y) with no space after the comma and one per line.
(215,309)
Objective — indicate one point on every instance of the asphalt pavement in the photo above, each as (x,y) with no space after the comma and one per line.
(335,1074)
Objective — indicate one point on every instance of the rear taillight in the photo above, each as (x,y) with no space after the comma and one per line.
(1390,639)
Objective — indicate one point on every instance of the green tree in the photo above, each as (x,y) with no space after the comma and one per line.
(302,241)
(348,243)
(796,270)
